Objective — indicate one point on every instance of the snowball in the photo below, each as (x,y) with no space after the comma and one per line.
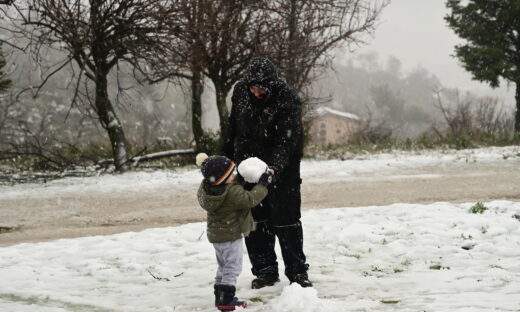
(251,169)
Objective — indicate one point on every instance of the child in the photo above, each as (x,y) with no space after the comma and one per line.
(229,219)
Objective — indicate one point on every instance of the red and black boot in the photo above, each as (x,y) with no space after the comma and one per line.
(225,299)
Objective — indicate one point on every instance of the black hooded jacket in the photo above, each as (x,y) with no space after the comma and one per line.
(269,128)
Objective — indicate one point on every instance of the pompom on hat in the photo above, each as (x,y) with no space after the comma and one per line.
(200,158)
(215,169)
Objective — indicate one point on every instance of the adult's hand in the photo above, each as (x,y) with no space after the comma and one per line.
(266,178)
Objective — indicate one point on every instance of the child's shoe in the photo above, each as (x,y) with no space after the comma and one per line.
(226,300)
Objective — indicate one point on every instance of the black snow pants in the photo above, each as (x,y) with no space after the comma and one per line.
(279,216)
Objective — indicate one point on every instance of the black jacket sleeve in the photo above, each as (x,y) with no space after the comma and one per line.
(289,129)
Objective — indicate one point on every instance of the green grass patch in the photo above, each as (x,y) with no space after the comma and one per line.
(438,267)
(9,229)
(256,299)
(390,301)
(495,266)
(479,207)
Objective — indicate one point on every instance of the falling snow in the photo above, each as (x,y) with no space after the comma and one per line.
(402,257)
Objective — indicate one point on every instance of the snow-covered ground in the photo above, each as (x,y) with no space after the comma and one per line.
(388,165)
(402,257)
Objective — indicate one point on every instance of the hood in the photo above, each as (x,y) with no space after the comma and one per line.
(211,196)
(262,73)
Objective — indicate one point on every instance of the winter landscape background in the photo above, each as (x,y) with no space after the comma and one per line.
(392,78)
(399,257)
(420,211)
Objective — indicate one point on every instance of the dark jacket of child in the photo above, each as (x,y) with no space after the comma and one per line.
(229,209)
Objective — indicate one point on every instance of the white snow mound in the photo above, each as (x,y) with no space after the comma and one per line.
(251,169)
(294,298)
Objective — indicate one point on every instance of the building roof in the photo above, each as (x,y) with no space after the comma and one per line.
(326,110)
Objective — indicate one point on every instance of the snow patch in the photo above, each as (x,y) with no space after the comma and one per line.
(294,298)
(113,123)
(326,110)
(387,166)
(402,257)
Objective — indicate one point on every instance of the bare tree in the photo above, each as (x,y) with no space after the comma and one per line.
(307,32)
(218,39)
(299,35)
(240,33)
(221,37)
(4,82)
(97,37)
(6,101)
(302,35)
(193,42)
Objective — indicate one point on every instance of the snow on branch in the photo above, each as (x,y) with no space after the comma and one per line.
(136,160)
(162,155)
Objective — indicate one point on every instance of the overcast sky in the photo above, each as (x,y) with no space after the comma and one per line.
(415,32)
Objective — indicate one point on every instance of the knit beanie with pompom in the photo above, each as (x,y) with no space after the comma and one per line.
(215,169)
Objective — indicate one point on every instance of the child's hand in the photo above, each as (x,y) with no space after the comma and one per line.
(239,178)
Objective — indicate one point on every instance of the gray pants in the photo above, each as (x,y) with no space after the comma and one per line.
(229,259)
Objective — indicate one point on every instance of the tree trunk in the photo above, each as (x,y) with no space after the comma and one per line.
(197,78)
(223,112)
(197,88)
(111,123)
(104,109)
(517,115)
(291,68)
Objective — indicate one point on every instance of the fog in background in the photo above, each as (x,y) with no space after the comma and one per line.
(414,31)
(391,80)
(411,53)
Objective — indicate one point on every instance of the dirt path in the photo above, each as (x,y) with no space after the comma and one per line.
(36,219)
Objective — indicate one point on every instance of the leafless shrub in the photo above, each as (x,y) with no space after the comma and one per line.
(372,132)
(476,117)
(491,117)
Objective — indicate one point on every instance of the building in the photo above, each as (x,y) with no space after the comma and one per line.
(333,127)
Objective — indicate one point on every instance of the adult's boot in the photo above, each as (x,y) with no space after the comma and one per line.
(264,280)
(302,279)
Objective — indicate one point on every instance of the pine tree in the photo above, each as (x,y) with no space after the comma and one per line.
(491,29)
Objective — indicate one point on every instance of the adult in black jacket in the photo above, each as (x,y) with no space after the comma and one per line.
(266,122)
